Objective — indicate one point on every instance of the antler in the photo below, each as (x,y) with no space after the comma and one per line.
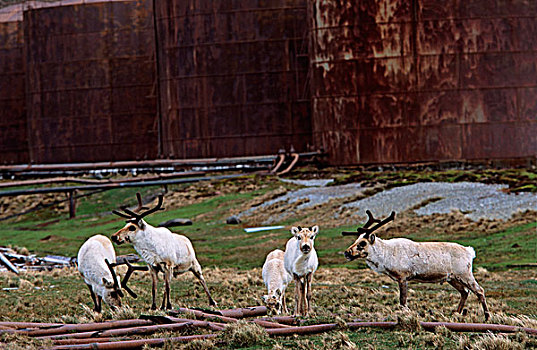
(135,215)
(140,204)
(114,277)
(130,270)
(368,228)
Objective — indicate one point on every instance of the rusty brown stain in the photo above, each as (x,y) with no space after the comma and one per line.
(14,145)
(91,82)
(407,81)
(233,77)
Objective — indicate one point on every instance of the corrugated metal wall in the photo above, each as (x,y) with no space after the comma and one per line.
(406,81)
(232,77)
(14,144)
(91,82)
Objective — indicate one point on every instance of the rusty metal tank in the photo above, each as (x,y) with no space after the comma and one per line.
(91,81)
(232,77)
(14,141)
(410,81)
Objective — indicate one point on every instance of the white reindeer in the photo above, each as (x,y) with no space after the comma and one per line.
(300,260)
(404,260)
(161,249)
(276,280)
(98,275)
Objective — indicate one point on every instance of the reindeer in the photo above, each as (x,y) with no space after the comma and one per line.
(94,265)
(99,276)
(300,260)
(404,260)
(276,280)
(161,249)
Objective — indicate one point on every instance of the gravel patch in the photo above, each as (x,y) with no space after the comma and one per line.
(308,197)
(475,200)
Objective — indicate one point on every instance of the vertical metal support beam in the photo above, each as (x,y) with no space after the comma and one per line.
(72,204)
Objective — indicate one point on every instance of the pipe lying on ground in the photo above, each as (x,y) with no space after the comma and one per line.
(132,344)
(477,327)
(203,315)
(168,323)
(83,327)
(243,312)
(8,263)
(19,325)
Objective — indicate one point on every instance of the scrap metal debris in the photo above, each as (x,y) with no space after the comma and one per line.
(12,261)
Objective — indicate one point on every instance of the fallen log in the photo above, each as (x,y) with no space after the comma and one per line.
(132,344)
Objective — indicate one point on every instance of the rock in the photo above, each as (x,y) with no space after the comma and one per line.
(175,222)
(233,220)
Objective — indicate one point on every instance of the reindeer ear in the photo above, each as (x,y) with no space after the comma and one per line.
(315,230)
(295,230)
(141,224)
(372,238)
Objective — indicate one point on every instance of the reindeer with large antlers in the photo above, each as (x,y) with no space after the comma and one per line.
(404,260)
(161,249)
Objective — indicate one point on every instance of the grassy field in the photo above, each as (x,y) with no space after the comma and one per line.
(232,259)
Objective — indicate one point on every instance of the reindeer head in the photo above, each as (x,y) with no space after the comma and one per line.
(112,291)
(366,238)
(305,237)
(273,300)
(111,295)
(135,223)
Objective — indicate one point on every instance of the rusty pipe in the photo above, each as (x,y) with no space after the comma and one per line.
(243,312)
(477,327)
(132,344)
(268,324)
(204,315)
(85,327)
(318,328)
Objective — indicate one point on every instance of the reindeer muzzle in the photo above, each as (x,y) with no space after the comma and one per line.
(349,256)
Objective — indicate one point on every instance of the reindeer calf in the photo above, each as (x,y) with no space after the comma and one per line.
(404,260)
(300,260)
(98,276)
(276,280)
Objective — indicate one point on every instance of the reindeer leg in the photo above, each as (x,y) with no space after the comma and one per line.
(464,293)
(477,290)
(166,295)
(297,294)
(403,290)
(93,298)
(309,279)
(98,305)
(304,296)
(168,272)
(284,305)
(154,280)
(196,270)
